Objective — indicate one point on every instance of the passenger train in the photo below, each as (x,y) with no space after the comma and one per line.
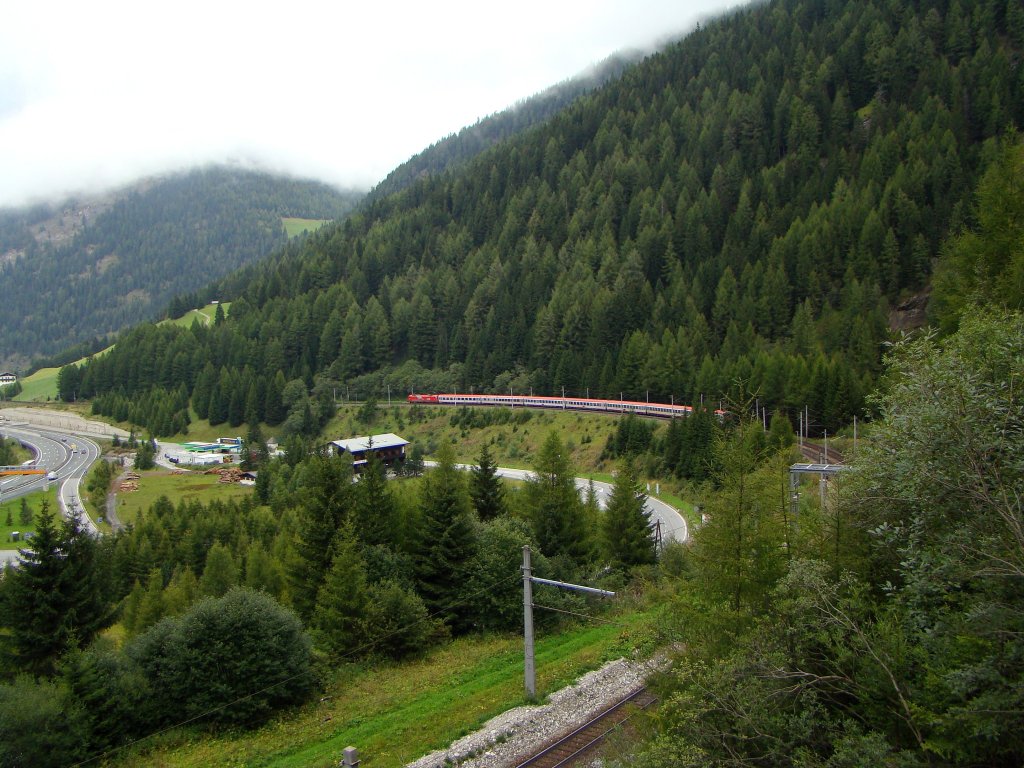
(659,410)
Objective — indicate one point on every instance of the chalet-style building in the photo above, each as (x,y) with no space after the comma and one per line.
(389,448)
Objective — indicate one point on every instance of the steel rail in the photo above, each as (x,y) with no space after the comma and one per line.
(574,744)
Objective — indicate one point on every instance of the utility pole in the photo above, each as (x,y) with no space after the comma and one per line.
(529,669)
(529,580)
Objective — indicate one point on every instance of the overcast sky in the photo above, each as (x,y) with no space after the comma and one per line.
(95,94)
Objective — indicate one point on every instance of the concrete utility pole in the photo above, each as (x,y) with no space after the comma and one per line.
(528,665)
(529,580)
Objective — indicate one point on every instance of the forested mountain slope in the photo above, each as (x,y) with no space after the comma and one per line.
(87,269)
(734,213)
(459,148)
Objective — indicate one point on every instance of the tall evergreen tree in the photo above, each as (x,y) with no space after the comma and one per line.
(556,510)
(485,487)
(55,596)
(446,541)
(375,513)
(325,504)
(338,618)
(220,573)
(740,547)
(626,526)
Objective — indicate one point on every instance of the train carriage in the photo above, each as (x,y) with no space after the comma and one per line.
(640,408)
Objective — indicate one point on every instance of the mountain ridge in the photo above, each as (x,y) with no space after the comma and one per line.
(89,266)
(733,215)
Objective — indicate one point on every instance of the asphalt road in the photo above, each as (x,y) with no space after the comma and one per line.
(673,526)
(67,455)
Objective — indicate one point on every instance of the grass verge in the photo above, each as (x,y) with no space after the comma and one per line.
(396,713)
(12,508)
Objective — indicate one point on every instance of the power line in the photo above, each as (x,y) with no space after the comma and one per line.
(581,615)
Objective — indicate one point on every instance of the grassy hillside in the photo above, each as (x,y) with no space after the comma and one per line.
(397,713)
(122,262)
(295,227)
(41,386)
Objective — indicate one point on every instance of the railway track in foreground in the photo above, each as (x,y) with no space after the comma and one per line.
(572,747)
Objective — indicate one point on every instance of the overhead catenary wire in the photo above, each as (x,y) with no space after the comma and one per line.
(580,615)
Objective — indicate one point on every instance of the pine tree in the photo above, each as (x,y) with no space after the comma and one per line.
(740,548)
(376,516)
(220,573)
(555,507)
(55,596)
(151,607)
(485,487)
(446,541)
(325,504)
(627,524)
(341,602)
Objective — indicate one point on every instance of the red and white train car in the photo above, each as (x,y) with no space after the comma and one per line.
(660,410)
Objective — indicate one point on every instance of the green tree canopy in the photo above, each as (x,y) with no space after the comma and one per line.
(985,264)
(232,660)
(55,597)
(626,526)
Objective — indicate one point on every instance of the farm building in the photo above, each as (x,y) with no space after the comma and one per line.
(388,448)
(7,378)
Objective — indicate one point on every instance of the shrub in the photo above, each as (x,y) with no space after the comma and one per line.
(231,660)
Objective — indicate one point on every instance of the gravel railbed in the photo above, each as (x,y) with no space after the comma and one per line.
(520,731)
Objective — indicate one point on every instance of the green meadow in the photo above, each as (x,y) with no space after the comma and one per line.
(295,226)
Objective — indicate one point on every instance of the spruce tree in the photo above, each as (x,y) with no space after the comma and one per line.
(376,516)
(555,507)
(220,573)
(54,597)
(341,602)
(446,541)
(627,525)
(325,504)
(485,487)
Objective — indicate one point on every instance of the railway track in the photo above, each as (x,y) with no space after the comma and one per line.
(816,454)
(570,748)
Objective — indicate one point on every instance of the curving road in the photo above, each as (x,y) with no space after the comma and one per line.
(68,456)
(673,525)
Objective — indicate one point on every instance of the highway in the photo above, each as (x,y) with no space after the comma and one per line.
(54,453)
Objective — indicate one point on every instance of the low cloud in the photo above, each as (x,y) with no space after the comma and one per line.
(96,95)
